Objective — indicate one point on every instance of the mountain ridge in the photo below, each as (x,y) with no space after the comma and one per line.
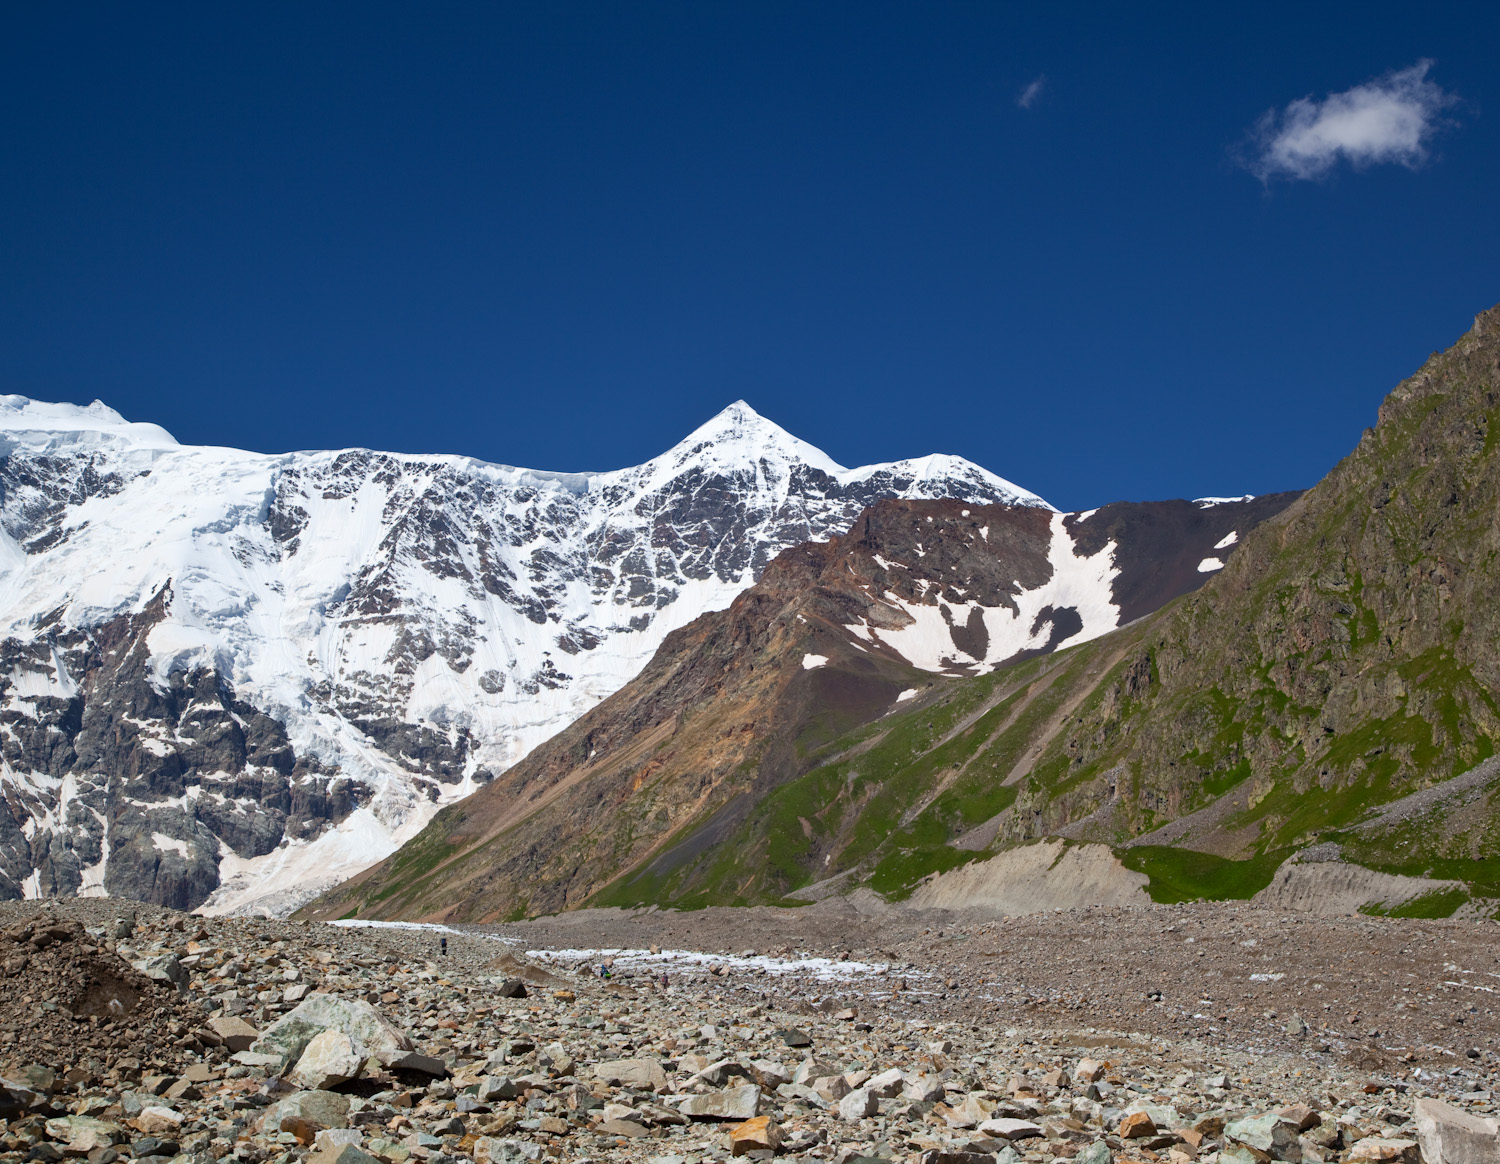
(739,703)
(1322,712)
(415,624)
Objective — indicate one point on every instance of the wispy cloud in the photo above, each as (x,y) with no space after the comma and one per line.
(1032,93)
(1389,119)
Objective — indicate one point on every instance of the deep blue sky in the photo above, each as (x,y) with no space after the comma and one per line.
(563,235)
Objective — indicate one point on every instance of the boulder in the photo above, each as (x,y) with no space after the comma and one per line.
(888,1084)
(163,968)
(1271,1134)
(627,1128)
(289,1036)
(493,1087)
(330,1059)
(84,1134)
(643,1074)
(1137,1125)
(1007,1128)
(761,1134)
(733,1103)
(326,1109)
(235,1033)
(858,1104)
(1380,1150)
(157,1120)
(414,1061)
(341,1154)
(1447,1135)
(769,1074)
(33,1076)
(556,1057)
(330,1138)
(493,1150)
(923,1088)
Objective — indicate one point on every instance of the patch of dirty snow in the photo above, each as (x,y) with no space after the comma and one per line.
(822,969)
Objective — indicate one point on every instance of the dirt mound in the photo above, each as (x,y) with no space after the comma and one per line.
(1339,887)
(1048,875)
(68,1001)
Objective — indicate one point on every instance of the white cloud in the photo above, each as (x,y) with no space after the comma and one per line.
(1389,119)
(1029,95)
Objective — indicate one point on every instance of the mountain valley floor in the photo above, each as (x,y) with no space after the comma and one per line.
(1381,994)
(1216,1033)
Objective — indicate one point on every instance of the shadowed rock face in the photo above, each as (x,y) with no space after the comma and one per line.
(656,780)
(148,778)
(1163,544)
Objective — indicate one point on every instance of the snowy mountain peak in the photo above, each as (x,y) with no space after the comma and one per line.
(306,654)
(740,436)
(37,423)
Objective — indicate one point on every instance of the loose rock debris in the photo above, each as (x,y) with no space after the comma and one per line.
(128,1032)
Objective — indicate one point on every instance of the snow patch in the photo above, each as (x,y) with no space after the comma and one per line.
(909,693)
(429,927)
(1227,540)
(1209,565)
(166,844)
(821,969)
(1210,502)
(811,662)
(1084,583)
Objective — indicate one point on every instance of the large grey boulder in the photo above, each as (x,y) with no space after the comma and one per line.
(1272,1134)
(236,1034)
(858,1104)
(288,1038)
(330,1059)
(84,1134)
(1448,1135)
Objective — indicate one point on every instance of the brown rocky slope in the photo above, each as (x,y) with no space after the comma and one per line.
(743,701)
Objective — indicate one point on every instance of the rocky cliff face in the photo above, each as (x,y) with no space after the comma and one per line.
(238,678)
(655,783)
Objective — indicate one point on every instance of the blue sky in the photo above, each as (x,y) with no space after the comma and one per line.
(1089,247)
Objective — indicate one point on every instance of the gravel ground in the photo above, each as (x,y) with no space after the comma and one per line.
(823,1033)
(1381,994)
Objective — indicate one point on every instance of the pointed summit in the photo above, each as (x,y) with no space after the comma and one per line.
(739,435)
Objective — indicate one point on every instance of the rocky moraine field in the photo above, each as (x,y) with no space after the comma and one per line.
(1208,1032)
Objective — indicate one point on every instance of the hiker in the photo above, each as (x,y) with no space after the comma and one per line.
(443,946)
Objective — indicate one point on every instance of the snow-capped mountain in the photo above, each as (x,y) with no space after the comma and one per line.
(230,679)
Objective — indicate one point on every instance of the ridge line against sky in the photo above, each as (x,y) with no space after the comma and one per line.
(1105,254)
